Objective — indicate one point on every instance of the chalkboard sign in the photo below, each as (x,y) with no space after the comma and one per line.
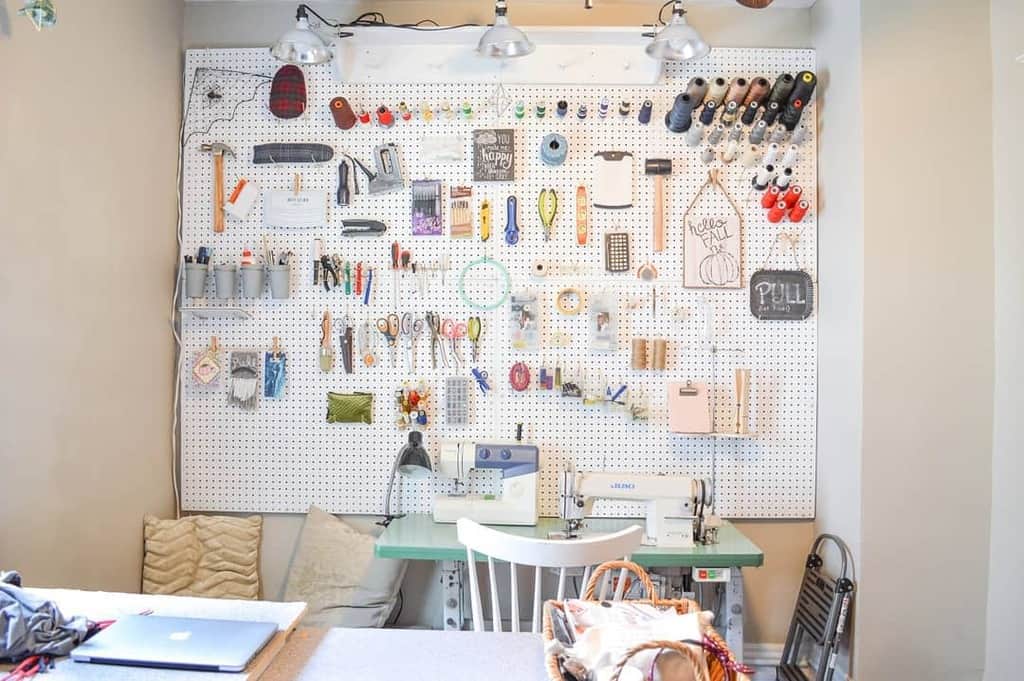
(494,156)
(781,294)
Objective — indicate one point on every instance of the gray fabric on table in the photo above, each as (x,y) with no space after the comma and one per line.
(33,626)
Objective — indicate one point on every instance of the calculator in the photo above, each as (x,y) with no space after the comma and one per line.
(616,252)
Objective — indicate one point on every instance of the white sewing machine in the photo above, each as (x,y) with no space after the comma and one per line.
(519,465)
(675,504)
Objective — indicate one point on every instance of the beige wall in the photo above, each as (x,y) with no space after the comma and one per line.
(89,118)
(1006,591)
(928,339)
(771,589)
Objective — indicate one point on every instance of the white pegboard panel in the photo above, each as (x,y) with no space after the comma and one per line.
(284,455)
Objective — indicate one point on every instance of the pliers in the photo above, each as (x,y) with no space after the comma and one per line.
(434,322)
(328,269)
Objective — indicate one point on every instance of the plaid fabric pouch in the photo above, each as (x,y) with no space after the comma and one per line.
(288,92)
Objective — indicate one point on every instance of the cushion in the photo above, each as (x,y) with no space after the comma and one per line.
(212,556)
(288,92)
(335,572)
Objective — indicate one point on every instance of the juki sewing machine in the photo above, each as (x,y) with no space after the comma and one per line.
(519,465)
(676,504)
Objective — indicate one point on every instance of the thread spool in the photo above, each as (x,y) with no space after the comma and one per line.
(446,109)
(467,110)
(426,112)
(695,134)
(758,132)
(735,134)
(781,90)
(562,108)
(602,107)
(793,196)
(783,179)
(798,99)
(749,114)
(638,358)
(659,354)
(771,154)
(520,109)
(384,117)
(751,154)
(364,117)
(778,135)
(777,212)
(581,112)
(790,157)
(717,89)
(680,117)
(738,90)
(624,108)
(716,135)
(799,211)
(799,135)
(762,178)
(540,110)
(697,88)
(729,155)
(707,155)
(707,114)
(729,115)
(770,113)
(403,110)
(771,197)
(645,112)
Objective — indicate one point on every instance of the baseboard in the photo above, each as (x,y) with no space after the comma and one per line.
(762,654)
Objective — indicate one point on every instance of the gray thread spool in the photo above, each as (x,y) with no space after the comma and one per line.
(581,112)
(707,155)
(735,134)
(697,88)
(645,112)
(778,135)
(695,134)
(602,107)
(758,132)
(799,135)
(716,135)
(707,114)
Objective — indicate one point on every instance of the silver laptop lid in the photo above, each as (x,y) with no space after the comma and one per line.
(177,643)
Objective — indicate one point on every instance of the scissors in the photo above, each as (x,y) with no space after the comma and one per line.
(434,322)
(481,380)
(474,327)
(411,330)
(454,331)
(388,326)
(547,206)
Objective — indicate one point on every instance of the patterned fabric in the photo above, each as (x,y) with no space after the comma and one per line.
(288,92)
(291,152)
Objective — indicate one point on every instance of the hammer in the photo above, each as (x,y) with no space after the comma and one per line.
(218,149)
(658,168)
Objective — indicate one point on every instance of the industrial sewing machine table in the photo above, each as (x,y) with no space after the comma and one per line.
(417,537)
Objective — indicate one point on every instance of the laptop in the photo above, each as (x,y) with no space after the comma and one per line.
(177,643)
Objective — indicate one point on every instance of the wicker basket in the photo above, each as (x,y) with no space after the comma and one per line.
(721,664)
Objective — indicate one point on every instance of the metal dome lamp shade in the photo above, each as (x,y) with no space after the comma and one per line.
(678,41)
(301,44)
(503,40)
(413,462)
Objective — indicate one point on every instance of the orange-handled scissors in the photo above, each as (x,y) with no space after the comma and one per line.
(454,331)
(389,327)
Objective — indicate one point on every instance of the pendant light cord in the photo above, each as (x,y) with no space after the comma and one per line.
(370,19)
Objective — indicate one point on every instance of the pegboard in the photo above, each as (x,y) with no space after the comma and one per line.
(284,456)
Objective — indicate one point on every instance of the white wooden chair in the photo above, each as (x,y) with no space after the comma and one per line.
(539,554)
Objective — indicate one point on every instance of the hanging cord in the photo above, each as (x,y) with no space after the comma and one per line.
(179,355)
(367,19)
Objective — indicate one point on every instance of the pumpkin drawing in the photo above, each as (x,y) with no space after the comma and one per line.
(719,268)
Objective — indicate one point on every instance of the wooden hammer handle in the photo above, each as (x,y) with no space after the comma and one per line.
(659,213)
(218,192)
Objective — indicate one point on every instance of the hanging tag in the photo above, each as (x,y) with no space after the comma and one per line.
(781,294)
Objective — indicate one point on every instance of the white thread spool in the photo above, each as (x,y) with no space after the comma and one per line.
(771,154)
(763,177)
(790,157)
(750,156)
(708,155)
(729,155)
(783,179)
(778,135)
(695,134)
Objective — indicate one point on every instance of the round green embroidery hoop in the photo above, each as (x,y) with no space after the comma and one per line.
(504,273)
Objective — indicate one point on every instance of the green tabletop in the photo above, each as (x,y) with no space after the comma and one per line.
(418,537)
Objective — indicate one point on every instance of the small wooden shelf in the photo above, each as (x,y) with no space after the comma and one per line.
(721,436)
(189,313)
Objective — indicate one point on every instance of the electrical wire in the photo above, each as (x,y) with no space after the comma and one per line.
(179,353)
(661,12)
(370,19)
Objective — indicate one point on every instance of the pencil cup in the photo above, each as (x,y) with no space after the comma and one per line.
(280,281)
(195,280)
(226,279)
(253,279)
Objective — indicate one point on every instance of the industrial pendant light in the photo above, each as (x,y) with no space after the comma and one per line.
(678,41)
(302,45)
(40,12)
(503,39)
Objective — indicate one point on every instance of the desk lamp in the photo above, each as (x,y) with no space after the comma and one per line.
(412,461)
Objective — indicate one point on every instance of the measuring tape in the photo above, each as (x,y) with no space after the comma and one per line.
(519,377)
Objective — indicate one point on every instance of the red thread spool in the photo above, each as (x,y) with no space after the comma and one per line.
(385,117)
(771,197)
(793,196)
(799,211)
(776,214)
(364,117)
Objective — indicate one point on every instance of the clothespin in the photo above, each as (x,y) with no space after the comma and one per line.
(213,344)
(297,183)
(277,347)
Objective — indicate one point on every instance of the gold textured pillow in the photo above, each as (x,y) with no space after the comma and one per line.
(212,556)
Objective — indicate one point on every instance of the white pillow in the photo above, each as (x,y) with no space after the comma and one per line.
(335,572)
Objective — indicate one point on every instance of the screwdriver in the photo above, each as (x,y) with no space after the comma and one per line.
(396,252)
